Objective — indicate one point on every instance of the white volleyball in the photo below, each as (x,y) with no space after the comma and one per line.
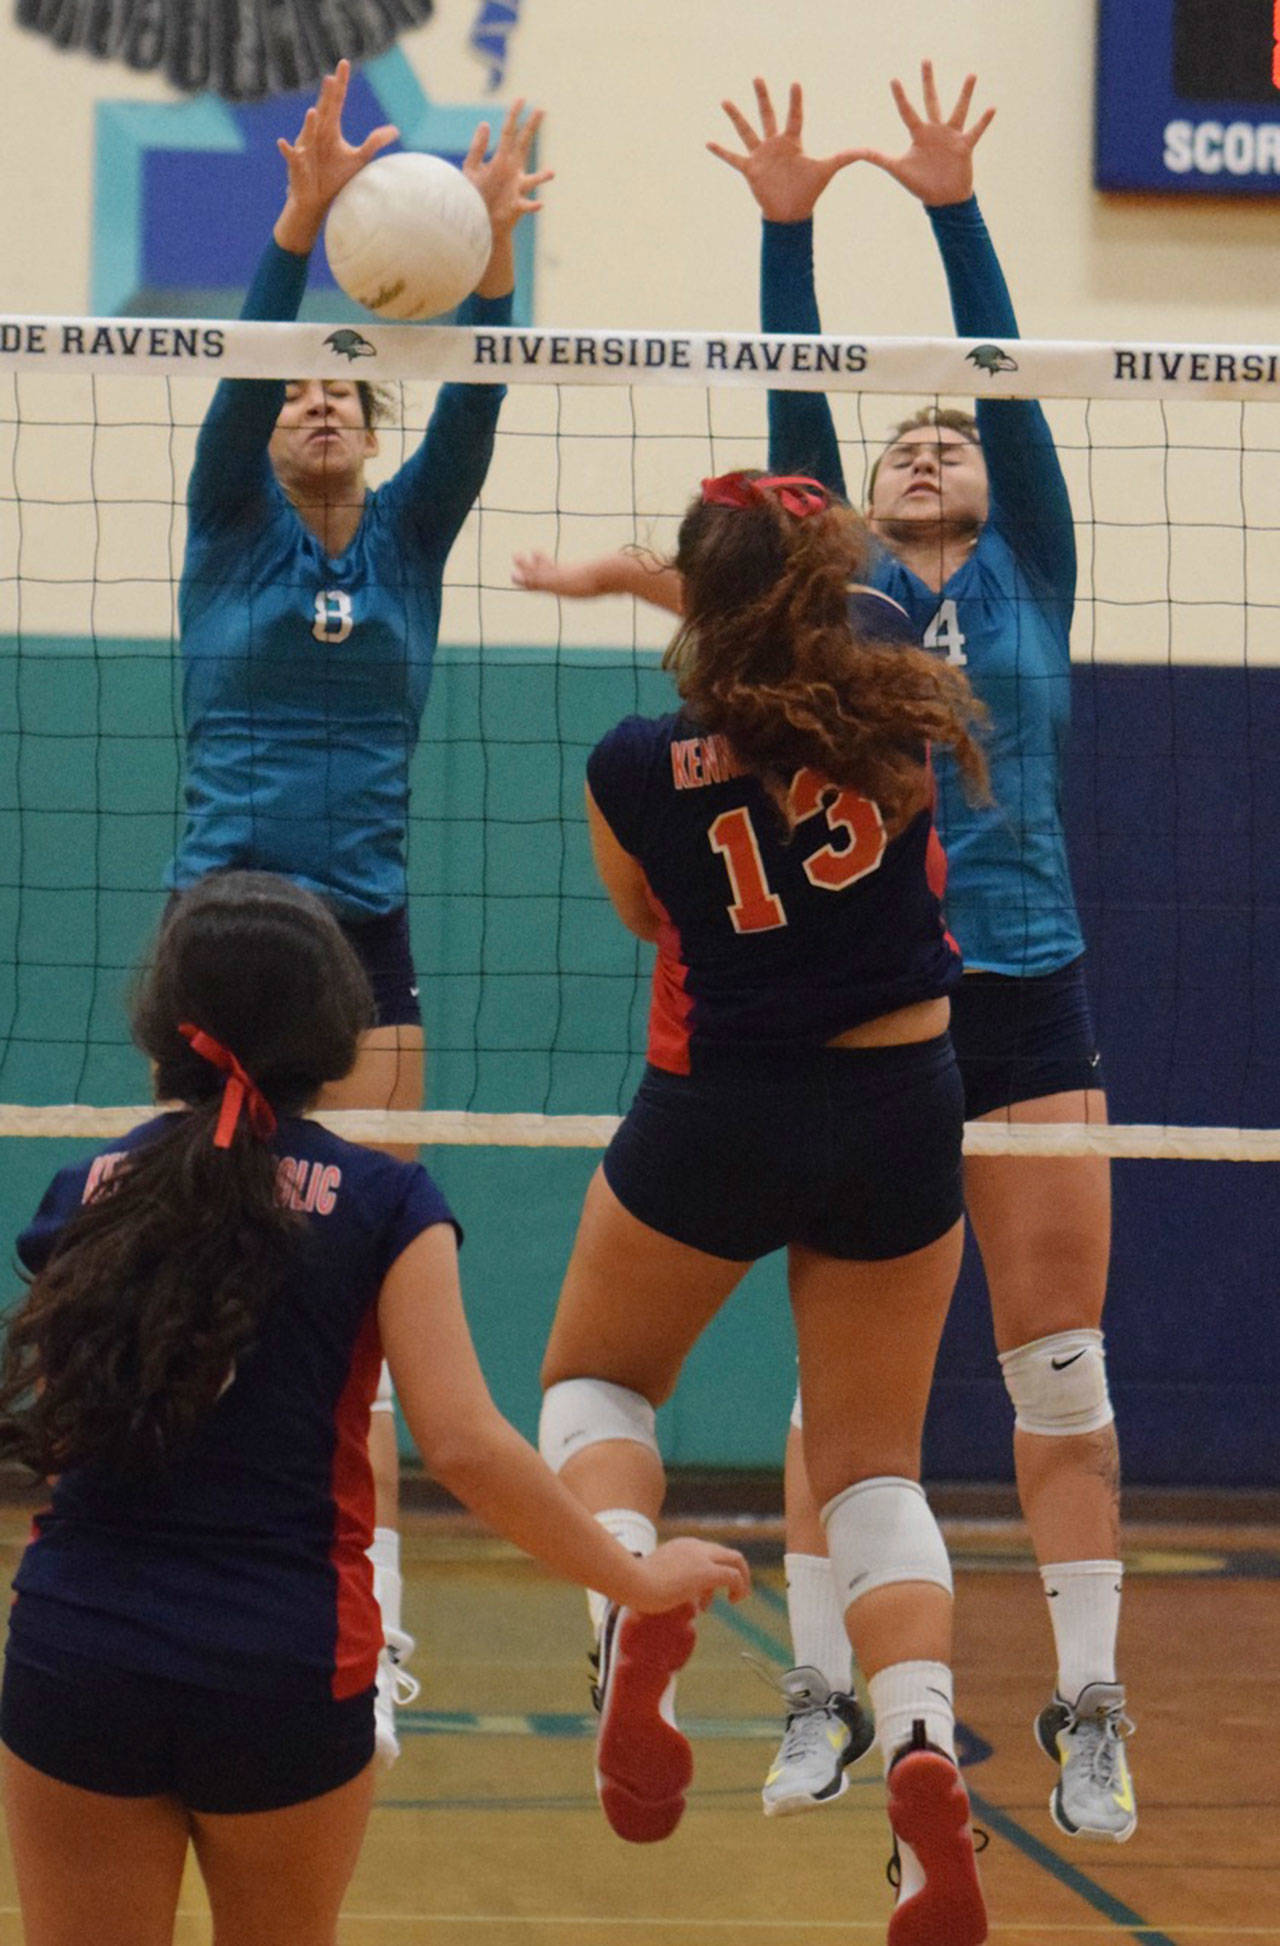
(409,236)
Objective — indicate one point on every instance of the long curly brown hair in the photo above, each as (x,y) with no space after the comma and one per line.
(767,656)
(124,1340)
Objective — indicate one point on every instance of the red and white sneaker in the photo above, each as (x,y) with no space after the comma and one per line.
(940,1900)
(644,1765)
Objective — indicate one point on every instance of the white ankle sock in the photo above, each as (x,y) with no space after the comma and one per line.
(1084,1608)
(387,1585)
(818,1636)
(637,1534)
(907,1693)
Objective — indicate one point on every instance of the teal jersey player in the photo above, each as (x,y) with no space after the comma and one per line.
(305,675)
(1004,614)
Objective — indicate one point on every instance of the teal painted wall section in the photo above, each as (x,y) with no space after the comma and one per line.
(535,998)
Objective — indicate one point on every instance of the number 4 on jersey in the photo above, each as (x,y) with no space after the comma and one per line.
(945,634)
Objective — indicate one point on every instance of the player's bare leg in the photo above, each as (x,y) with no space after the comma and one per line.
(632,1305)
(128,1855)
(1043,1226)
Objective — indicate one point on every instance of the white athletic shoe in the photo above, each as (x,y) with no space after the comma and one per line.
(395,1686)
(1093,1797)
(826,1732)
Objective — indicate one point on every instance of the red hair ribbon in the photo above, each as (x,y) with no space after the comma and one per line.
(796,492)
(240,1092)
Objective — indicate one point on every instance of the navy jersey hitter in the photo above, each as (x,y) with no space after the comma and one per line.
(977,544)
(774,837)
(309,609)
(192,1652)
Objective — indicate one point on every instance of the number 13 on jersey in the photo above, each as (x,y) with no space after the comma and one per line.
(854,819)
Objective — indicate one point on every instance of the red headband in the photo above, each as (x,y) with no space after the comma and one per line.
(240,1091)
(795,492)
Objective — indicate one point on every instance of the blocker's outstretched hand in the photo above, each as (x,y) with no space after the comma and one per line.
(509,188)
(321,161)
(938,165)
(783,179)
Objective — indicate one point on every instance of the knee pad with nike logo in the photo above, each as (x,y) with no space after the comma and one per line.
(1059,1384)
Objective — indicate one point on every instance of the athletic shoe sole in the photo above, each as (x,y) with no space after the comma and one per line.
(929,1810)
(644,1765)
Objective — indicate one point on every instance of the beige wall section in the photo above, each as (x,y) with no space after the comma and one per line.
(644,228)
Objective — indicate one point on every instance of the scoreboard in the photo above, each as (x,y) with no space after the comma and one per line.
(1188,98)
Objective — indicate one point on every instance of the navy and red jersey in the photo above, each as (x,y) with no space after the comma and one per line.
(768,938)
(242,1566)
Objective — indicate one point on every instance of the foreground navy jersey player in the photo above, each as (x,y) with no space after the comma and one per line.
(195,1634)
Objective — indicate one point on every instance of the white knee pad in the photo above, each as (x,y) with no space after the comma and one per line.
(1059,1385)
(881,1531)
(384,1399)
(582,1412)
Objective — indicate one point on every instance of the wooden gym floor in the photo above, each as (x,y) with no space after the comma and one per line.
(487,1832)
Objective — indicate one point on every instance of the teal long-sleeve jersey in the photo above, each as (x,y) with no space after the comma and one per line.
(1004,616)
(305,676)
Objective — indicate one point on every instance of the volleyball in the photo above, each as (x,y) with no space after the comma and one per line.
(409,236)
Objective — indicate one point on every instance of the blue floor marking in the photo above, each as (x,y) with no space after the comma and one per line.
(1024,1841)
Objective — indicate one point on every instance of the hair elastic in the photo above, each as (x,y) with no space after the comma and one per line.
(241,1091)
(795,492)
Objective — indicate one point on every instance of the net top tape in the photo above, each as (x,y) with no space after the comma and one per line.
(466,1129)
(952,367)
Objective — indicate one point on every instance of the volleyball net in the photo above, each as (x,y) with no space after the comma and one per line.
(534,997)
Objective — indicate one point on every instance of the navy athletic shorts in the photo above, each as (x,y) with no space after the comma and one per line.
(1019,1040)
(851,1151)
(382,947)
(106,1729)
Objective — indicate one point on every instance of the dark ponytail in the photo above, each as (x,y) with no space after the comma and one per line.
(156,1286)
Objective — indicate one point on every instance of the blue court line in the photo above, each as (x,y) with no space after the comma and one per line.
(1022,1840)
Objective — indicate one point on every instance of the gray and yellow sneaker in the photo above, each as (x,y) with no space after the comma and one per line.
(826,1732)
(1093,1797)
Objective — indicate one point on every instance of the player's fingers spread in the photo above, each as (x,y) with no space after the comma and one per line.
(511,126)
(932,106)
(768,121)
(841,161)
(795,111)
(904,107)
(479,143)
(726,155)
(749,137)
(377,141)
(981,126)
(530,130)
(965,96)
